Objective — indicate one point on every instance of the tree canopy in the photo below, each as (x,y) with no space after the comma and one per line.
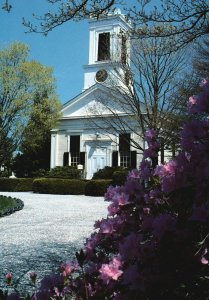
(21,83)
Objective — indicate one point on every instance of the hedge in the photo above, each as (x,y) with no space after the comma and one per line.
(97,187)
(119,177)
(66,172)
(59,186)
(106,172)
(16,184)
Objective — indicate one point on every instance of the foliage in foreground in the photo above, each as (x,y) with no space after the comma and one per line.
(154,242)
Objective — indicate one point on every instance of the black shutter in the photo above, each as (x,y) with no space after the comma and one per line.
(66,159)
(115,159)
(133,159)
(82,158)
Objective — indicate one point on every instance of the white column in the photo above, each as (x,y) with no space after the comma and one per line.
(68,143)
(88,162)
(53,162)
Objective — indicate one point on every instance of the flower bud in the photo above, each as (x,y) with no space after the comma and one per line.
(9,278)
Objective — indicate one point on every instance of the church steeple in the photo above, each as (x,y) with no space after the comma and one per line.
(107,45)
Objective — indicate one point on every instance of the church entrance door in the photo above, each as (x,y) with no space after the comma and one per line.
(97,162)
(98,159)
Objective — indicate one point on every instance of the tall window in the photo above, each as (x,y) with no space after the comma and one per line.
(123,49)
(124,149)
(104,46)
(75,149)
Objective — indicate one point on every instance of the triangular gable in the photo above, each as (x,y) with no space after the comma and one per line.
(93,101)
(97,100)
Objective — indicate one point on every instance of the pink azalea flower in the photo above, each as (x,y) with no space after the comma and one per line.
(146,210)
(134,174)
(113,209)
(150,135)
(67,269)
(122,199)
(148,153)
(145,169)
(111,270)
(106,226)
(204,259)
(110,193)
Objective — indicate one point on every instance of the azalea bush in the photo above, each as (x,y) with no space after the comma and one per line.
(154,242)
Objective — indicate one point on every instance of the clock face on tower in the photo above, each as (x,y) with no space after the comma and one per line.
(101,75)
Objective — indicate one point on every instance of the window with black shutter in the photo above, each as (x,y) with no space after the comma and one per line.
(124,148)
(75,150)
(104,46)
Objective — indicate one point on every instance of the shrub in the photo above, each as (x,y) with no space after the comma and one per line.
(59,186)
(40,173)
(119,177)
(16,184)
(97,187)
(67,172)
(106,173)
(9,205)
(154,242)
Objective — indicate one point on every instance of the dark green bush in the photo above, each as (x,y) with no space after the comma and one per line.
(106,173)
(59,186)
(9,205)
(119,177)
(97,187)
(67,172)
(16,184)
(40,173)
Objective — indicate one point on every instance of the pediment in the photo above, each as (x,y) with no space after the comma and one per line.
(95,101)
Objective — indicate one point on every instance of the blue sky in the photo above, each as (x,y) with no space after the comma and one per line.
(65,48)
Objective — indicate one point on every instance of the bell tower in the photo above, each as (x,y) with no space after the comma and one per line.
(108,47)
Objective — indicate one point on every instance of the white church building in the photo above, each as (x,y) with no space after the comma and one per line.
(78,141)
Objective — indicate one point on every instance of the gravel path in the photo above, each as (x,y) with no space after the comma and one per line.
(46,232)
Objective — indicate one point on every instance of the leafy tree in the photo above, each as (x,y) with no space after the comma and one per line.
(22,82)
(36,141)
